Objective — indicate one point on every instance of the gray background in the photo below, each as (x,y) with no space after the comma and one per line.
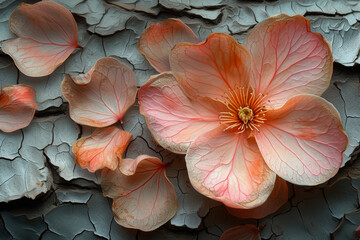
(37,162)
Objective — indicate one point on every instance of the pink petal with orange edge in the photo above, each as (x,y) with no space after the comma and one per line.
(103,148)
(212,67)
(143,197)
(158,39)
(17,107)
(288,59)
(277,198)
(173,118)
(47,34)
(303,141)
(228,167)
(103,95)
(242,232)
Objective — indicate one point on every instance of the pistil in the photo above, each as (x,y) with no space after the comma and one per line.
(245,110)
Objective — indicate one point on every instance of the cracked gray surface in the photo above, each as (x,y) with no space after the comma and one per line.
(37,162)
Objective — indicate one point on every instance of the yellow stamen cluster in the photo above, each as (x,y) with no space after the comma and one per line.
(246,110)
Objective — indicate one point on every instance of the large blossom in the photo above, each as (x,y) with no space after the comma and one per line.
(243,114)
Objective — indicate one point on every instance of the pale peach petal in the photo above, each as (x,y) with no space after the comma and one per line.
(277,198)
(229,168)
(212,67)
(242,232)
(288,59)
(103,95)
(303,141)
(158,39)
(144,198)
(173,118)
(103,148)
(47,34)
(17,107)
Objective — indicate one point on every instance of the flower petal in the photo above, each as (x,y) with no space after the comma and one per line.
(158,39)
(212,67)
(17,107)
(47,34)
(229,168)
(277,198)
(102,96)
(144,198)
(103,148)
(288,59)
(242,232)
(303,141)
(173,118)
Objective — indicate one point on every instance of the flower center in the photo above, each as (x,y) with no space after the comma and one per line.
(245,110)
(245,114)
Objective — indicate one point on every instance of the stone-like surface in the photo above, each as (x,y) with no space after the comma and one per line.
(28,230)
(25,174)
(37,162)
(341,197)
(68,220)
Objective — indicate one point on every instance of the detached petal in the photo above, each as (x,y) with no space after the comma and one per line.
(277,198)
(103,95)
(173,118)
(144,198)
(103,148)
(242,232)
(47,34)
(303,141)
(288,59)
(212,67)
(17,107)
(158,39)
(229,168)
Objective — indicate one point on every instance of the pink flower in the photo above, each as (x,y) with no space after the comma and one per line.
(244,114)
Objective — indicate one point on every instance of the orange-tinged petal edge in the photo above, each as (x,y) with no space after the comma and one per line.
(277,198)
(103,95)
(17,107)
(303,141)
(143,197)
(103,148)
(158,39)
(47,35)
(173,118)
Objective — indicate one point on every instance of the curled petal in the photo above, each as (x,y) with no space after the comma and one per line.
(242,232)
(303,141)
(103,95)
(173,118)
(212,67)
(277,198)
(47,34)
(288,59)
(17,107)
(143,197)
(103,148)
(158,39)
(229,168)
